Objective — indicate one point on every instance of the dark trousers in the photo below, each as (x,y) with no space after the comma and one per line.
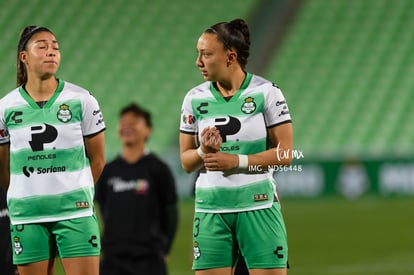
(132,265)
(6,259)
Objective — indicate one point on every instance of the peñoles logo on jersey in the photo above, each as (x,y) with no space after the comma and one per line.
(64,114)
(249,106)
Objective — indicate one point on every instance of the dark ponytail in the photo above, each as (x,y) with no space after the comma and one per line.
(25,36)
(234,35)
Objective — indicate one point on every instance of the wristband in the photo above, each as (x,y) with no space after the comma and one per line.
(243,161)
(200,152)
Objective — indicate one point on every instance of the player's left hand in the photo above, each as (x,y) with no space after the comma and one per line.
(220,161)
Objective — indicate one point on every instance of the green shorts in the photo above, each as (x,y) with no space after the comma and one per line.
(260,235)
(42,241)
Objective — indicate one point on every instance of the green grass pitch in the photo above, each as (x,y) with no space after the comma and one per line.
(330,236)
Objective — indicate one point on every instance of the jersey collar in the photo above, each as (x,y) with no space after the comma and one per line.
(33,104)
(244,85)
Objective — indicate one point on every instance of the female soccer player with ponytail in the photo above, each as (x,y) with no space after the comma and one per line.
(226,123)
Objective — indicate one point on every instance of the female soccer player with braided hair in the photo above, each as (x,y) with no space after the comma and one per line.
(226,123)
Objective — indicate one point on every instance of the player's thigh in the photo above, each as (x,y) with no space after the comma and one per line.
(215,271)
(81,265)
(278,271)
(262,238)
(213,242)
(46,267)
(77,237)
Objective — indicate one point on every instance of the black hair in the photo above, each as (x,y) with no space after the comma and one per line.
(234,35)
(138,111)
(25,36)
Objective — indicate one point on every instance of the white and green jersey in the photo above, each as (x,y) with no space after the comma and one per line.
(243,121)
(50,176)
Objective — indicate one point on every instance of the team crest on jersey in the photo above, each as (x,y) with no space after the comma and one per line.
(18,248)
(196,250)
(249,106)
(64,114)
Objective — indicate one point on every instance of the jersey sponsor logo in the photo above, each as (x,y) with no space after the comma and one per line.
(100,116)
(27,171)
(100,121)
(64,114)
(96,112)
(41,157)
(249,106)
(278,103)
(41,135)
(227,126)
(230,148)
(285,110)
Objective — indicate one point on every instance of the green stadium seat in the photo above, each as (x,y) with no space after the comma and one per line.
(346,70)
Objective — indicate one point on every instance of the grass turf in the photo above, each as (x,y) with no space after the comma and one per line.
(329,236)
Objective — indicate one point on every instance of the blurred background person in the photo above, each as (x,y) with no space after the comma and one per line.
(6,259)
(138,201)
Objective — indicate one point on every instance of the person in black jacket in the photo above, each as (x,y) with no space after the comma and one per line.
(137,198)
(6,261)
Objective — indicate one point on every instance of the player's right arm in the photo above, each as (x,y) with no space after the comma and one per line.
(190,159)
(5,165)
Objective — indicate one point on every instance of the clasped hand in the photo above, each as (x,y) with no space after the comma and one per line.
(213,159)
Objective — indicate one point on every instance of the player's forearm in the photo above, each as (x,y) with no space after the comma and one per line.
(4,166)
(95,151)
(191,161)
